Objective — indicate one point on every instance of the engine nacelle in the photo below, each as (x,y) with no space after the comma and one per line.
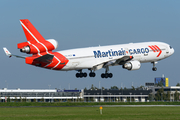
(34,48)
(132,65)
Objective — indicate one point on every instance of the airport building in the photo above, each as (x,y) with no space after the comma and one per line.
(56,95)
(116,95)
(96,95)
(35,95)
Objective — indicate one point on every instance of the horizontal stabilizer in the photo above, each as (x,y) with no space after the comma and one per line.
(9,54)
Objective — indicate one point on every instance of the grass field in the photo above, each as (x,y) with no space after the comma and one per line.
(91,113)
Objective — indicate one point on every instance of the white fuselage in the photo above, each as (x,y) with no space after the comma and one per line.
(87,58)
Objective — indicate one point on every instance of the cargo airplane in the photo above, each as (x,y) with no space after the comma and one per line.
(130,56)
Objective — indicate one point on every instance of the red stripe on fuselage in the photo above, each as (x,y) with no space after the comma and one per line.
(160,51)
(155,48)
(152,48)
(55,62)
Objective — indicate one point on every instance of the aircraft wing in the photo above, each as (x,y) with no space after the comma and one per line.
(113,62)
(124,59)
(45,58)
(119,61)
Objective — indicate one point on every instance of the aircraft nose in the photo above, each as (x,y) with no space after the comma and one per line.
(172,51)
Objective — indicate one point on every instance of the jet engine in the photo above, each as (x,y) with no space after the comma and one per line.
(38,47)
(132,65)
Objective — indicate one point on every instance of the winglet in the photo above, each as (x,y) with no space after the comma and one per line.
(7,52)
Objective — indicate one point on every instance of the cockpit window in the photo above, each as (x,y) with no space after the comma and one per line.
(170,47)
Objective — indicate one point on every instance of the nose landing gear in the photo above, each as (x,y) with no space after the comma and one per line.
(154,66)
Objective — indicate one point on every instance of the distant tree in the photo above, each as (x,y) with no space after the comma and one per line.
(8,99)
(34,100)
(75,88)
(133,88)
(42,99)
(85,88)
(140,88)
(151,97)
(103,88)
(168,96)
(160,84)
(176,96)
(96,88)
(114,88)
(160,95)
(177,84)
(15,99)
(125,88)
(92,87)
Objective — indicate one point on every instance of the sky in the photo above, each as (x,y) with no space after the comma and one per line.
(88,23)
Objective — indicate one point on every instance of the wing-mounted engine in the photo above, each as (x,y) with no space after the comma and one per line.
(132,65)
(32,47)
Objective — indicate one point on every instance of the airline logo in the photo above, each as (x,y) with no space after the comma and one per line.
(110,53)
(155,48)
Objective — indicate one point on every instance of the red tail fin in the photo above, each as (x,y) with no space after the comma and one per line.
(31,32)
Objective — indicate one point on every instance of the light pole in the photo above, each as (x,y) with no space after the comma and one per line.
(6,84)
(21,97)
(44,97)
(110,97)
(49,92)
(119,97)
(98,97)
(36,97)
(88,97)
(49,97)
(52,98)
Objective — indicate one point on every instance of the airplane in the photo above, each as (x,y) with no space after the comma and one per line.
(129,56)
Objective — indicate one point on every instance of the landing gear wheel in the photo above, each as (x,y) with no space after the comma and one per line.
(84,74)
(92,74)
(81,75)
(102,75)
(77,75)
(106,75)
(154,68)
(110,75)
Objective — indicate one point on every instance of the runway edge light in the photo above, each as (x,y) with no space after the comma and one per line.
(100,108)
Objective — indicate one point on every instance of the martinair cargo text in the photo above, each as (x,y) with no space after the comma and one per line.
(130,56)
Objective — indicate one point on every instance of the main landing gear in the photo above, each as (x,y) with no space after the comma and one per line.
(92,74)
(81,74)
(106,74)
(154,66)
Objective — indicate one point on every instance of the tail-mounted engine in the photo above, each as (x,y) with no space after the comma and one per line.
(132,65)
(38,47)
